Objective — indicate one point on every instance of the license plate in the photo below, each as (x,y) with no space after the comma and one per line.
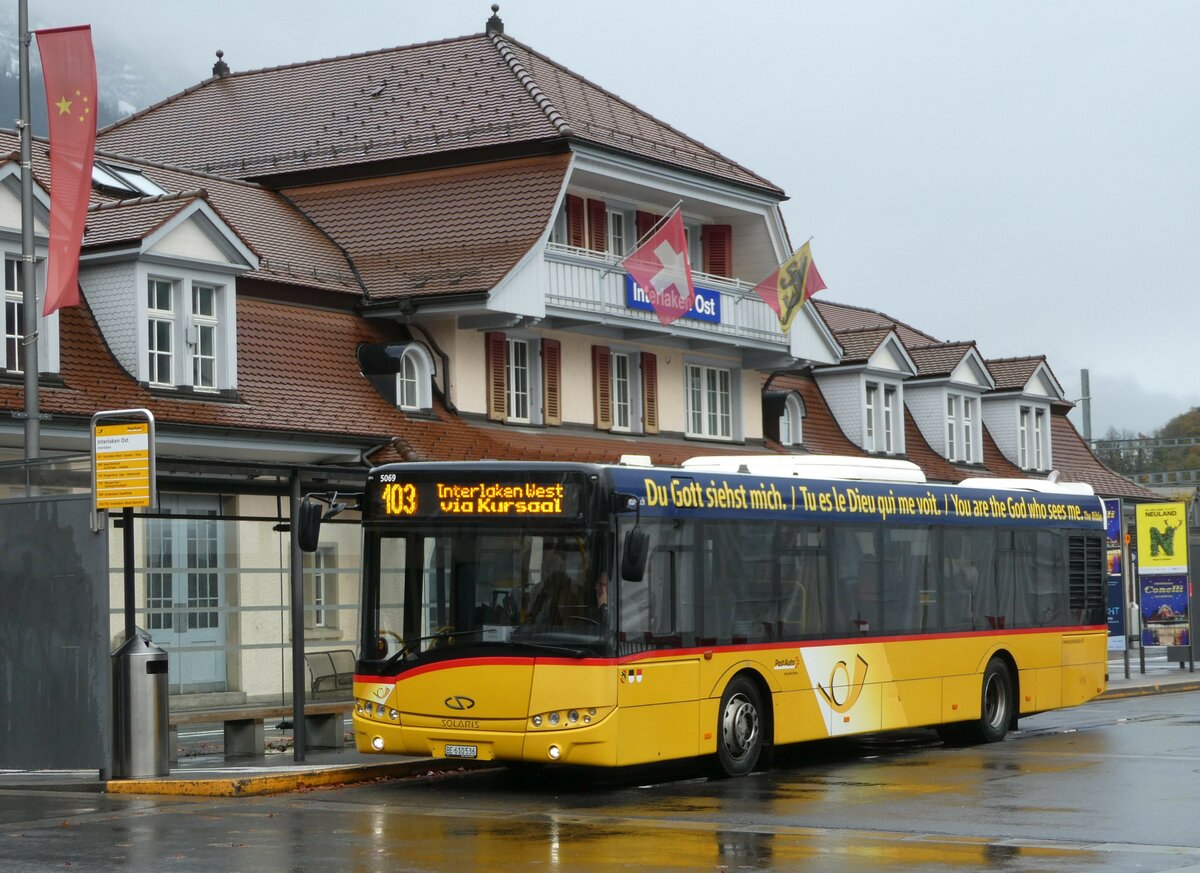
(462,751)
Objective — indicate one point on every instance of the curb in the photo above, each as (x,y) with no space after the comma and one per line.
(1146,690)
(278,783)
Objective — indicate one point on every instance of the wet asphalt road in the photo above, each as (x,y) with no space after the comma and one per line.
(1109,786)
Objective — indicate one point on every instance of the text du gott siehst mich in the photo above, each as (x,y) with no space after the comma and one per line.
(848,499)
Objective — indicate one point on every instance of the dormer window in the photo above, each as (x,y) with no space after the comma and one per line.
(881,419)
(960,428)
(187,334)
(791,431)
(1033,438)
(414,381)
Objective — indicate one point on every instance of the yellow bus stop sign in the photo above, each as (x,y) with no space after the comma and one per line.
(123,465)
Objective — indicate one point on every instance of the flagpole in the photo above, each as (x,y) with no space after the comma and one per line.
(643,238)
(29,329)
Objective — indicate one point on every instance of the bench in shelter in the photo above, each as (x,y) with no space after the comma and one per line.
(244,733)
(330,670)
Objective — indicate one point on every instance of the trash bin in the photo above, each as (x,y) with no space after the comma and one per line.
(140,716)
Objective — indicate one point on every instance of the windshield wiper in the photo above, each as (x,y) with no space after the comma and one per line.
(405,651)
(547,647)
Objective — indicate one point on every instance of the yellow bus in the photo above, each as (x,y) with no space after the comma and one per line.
(609,615)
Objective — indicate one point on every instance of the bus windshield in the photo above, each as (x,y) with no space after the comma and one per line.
(442,591)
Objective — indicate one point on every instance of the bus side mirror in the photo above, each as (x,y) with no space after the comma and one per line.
(634,554)
(308,525)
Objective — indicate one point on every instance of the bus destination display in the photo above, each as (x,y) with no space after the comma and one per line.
(398,498)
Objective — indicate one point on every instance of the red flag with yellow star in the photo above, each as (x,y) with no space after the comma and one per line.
(69,69)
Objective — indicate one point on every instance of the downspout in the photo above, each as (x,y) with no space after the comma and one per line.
(450,407)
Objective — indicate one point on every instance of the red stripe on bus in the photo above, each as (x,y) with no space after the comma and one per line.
(652,654)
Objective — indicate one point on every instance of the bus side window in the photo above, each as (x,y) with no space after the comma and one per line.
(1050,596)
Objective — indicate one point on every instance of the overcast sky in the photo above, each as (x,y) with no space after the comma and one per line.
(1022,173)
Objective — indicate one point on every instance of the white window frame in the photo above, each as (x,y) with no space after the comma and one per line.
(953,402)
(701,419)
(1039,438)
(1024,428)
(961,432)
(205,325)
(532,394)
(621,387)
(14,315)
(12,320)
(558,230)
(1033,437)
(891,396)
(414,380)
(188,330)
(883,418)
(320,588)
(693,231)
(869,425)
(968,423)
(617,244)
(157,318)
(791,423)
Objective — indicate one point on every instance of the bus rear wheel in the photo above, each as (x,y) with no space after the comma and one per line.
(740,725)
(998,700)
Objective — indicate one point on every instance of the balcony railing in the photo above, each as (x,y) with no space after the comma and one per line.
(583,282)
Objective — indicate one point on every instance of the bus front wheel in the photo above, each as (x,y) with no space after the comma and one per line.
(739,727)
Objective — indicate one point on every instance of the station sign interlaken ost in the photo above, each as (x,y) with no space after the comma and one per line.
(122,465)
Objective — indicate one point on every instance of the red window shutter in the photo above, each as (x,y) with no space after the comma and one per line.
(717,240)
(497,376)
(575,221)
(552,381)
(602,387)
(649,392)
(644,221)
(597,215)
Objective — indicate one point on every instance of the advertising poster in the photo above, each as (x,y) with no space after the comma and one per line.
(1165,611)
(1116,588)
(1162,538)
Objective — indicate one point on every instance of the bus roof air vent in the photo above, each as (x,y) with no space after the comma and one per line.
(1045,486)
(635,461)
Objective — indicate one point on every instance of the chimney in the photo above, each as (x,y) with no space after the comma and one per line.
(494,24)
(220,68)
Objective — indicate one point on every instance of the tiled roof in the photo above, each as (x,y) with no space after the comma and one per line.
(995,463)
(442,231)
(129,221)
(399,103)
(1012,374)
(841,316)
(939,359)
(918,450)
(599,116)
(393,103)
(1075,461)
(820,431)
(291,249)
(860,344)
(282,385)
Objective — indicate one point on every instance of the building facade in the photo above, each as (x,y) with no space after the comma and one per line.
(414,254)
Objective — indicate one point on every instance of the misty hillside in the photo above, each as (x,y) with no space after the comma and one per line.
(124,86)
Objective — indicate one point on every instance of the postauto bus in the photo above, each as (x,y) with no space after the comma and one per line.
(609,615)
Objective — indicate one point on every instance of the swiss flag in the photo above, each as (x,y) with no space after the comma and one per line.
(661,269)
